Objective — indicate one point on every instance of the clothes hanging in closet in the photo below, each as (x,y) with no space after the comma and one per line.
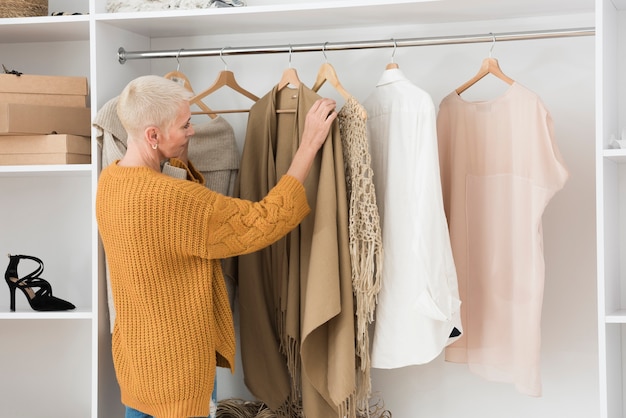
(500,167)
(418,307)
(212,149)
(295,296)
(366,250)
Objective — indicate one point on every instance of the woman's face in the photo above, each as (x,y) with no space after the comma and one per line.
(177,136)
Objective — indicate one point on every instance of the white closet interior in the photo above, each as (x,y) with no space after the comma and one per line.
(610,176)
(58,364)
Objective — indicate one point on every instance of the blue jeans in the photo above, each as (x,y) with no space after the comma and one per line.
(133,413)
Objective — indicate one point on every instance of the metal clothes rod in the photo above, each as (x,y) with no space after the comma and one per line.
(124,55)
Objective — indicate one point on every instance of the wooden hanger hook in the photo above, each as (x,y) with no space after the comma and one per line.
(324,51)
(222,57)
(178,59)
(392,64)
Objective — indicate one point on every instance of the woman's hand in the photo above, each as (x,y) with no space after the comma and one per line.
(317,124)
(318,121)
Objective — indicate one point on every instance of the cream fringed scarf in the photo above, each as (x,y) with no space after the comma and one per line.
(366,250)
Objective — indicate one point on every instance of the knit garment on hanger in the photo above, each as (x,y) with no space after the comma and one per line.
(295,297)
(366,250)
(418,303)
(213,147)
(500,166)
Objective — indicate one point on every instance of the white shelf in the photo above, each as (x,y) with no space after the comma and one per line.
(37,170)
(321,15)
(617,317)
(44,29)
(279,17)
(617,155)
(292,16)
(78,313)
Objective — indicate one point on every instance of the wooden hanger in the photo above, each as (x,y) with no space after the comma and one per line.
(289,78)
(392,64)
(180,78)
(327,73)
(489,66)
(225,78)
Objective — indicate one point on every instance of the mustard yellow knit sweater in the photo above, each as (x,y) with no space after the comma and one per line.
(163,238)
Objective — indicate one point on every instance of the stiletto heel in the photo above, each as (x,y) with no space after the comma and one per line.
(39,300)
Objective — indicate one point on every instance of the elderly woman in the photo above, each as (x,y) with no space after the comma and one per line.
(164,238)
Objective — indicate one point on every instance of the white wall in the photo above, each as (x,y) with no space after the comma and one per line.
(561,71)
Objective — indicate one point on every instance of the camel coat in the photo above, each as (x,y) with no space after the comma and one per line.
(295,297)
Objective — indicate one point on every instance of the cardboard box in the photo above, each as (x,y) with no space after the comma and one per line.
(25,119)
(43,84)
(72,100)
(43,159)
(45,144)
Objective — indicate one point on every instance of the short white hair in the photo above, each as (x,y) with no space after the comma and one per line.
(150,100)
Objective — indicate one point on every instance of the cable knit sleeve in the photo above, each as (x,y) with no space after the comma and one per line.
(239,226)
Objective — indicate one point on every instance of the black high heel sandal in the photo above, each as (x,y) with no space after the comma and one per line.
(39,300)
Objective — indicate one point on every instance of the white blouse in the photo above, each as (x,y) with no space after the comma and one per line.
(419,306)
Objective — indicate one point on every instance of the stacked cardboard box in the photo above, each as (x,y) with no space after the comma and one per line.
(44,120)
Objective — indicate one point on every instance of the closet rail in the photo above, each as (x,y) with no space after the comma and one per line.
(124,55)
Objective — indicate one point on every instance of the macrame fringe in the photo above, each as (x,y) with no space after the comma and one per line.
(365,241)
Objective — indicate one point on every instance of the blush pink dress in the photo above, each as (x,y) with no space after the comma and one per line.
(500,167)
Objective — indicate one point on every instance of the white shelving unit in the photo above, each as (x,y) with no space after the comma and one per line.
(611,205)
(47,211)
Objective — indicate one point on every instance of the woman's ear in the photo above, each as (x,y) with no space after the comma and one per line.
(151,135)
